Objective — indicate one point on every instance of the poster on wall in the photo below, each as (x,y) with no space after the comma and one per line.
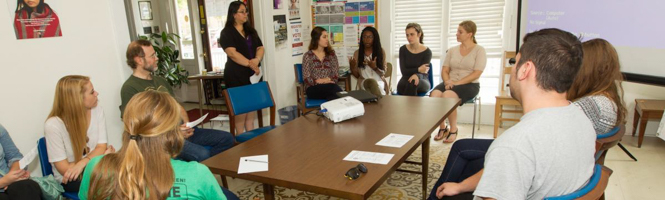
(279,24)
(277,4)
(296,38)
(294,9)
(35,18)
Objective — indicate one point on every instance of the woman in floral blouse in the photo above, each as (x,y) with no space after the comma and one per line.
(320,67)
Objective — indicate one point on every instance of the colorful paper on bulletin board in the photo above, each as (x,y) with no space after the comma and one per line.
(351,35)
(362,26)
(337,32)
(337,13)
(352,20)
(351,9)
(366,8)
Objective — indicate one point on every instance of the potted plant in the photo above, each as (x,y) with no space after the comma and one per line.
(168,65)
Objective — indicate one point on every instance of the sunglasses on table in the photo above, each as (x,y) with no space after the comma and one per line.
(354,173)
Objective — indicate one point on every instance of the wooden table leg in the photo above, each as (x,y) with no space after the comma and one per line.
(268,192)
(643,126)
(200,86)
(636,118)
(425,166)
(497,115)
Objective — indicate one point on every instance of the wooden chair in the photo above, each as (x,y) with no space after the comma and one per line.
(389,75)
(247,99)
(608,140)
(594,189)
(505,69)
(504,98)
(304,104)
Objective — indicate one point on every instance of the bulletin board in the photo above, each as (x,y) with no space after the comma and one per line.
(344,20)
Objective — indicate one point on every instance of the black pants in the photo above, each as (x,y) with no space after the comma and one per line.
(404,87)
(466,158)
(72,186)
(24,189)
(323,91)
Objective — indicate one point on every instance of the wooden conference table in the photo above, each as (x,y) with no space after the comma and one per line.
(307,153)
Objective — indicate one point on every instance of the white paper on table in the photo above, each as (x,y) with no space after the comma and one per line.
(196,122)
(369,157)
(251,164)
(28,158)
(255,78)
(394,140)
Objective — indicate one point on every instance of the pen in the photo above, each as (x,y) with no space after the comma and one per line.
(256,161)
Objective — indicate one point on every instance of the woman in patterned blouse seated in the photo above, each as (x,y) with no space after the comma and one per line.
(320,68)
(597,87)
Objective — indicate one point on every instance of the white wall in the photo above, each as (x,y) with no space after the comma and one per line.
(278,63)
(93,44)
(156,16)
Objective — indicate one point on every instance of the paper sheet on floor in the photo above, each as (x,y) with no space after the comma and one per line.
(394,140)
(196,122)
(369,157)
(251,164)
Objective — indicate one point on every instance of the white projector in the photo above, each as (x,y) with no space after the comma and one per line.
(342,109)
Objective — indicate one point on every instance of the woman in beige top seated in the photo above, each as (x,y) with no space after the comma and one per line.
(460,72)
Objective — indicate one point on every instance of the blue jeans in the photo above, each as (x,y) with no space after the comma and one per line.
(466,158)
(229,195)
(195,146)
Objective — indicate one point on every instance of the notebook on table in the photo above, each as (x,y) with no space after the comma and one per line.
(361,95)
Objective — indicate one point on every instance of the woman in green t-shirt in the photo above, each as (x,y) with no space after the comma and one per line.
(145,164)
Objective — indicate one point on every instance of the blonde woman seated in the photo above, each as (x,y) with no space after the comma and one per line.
(460,72)
(144,168)
(75,130)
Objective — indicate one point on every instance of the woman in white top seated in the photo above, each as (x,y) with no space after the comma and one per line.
(75,130)
(460,72)
(368,63)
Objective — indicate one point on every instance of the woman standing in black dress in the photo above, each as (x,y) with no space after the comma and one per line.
(245,51)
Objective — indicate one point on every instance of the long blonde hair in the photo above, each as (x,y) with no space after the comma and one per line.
(150,139)
(68,106)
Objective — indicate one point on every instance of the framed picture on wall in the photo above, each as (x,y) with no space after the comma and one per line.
(145,10)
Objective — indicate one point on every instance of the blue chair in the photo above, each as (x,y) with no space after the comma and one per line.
(608,140)
(430,77)
(47,169)
(594,189)
(246,99)
(304,104)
